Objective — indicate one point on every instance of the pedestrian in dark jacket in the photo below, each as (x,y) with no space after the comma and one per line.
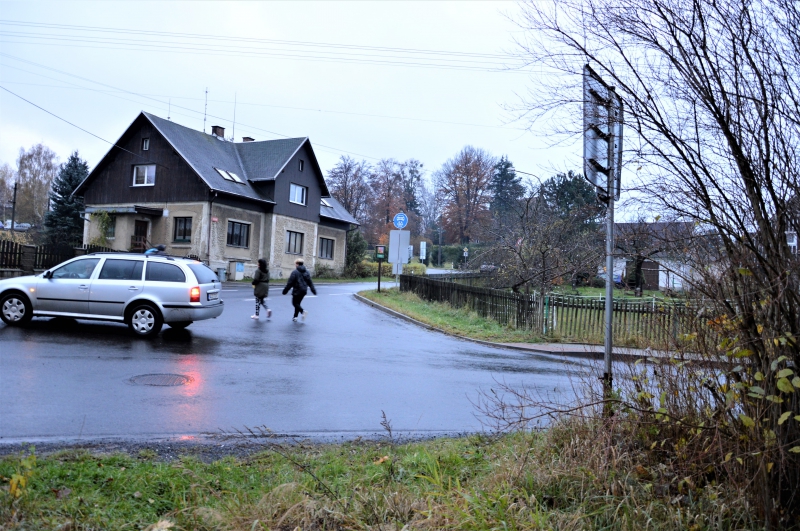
(261,288)
(299,282)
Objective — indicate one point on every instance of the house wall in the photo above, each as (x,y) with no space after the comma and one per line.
(282,263)
(224,255)
(309,178)
(339,248)
(174,181)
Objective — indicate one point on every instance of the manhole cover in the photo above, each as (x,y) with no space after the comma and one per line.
(161,379)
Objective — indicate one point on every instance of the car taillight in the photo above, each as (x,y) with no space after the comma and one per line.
(194,294)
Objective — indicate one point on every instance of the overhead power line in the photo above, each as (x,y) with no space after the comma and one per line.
(81,128)
(252,127)
(175,42)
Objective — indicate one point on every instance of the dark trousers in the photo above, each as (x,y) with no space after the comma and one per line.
(296,300)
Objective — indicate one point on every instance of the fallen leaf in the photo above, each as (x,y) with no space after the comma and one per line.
(137,494)
(381,460)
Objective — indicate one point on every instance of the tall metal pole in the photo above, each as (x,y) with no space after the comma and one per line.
(611,192)
(14,208)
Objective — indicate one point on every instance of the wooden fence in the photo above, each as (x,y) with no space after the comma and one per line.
(48,256)
(10,255)
(646,322)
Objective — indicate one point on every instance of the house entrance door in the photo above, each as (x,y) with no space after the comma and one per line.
(139,238)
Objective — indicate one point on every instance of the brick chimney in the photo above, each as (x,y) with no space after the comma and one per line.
(218,130)
(248,139)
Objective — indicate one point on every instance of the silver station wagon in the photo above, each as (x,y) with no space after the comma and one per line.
(142,291)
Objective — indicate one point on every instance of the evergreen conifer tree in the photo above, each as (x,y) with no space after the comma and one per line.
(506,188)
(63,223)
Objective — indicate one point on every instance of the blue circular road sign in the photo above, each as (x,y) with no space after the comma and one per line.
(400,220)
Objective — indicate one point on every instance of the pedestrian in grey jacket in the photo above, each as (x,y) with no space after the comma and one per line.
(261,288)
(299,282)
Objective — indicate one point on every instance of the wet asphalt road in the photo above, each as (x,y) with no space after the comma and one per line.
(329,377)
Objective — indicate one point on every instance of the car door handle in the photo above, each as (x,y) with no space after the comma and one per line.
(133,288)
(83,286)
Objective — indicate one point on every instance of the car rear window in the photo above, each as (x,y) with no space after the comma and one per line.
(159,272)
(203,273)
(121,270)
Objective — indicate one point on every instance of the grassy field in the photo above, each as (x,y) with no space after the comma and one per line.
(457,321)
(519,481)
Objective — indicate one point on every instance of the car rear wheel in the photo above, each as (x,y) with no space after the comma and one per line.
(145,320)
(15,309)
(180,325)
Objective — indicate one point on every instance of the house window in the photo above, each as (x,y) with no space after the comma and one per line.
(302,165)
(297,194)
(111,229)
(144,175)
(229,176)
(145,144)
(326,248)
(294,242)
(791,241)
(183,230)
(238,234)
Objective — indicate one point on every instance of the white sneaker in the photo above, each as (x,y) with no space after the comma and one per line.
(253,317)
(294,319)
(304,315)
(269,313)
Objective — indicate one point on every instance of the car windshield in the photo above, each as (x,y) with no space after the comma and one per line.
(203,273)
(78,269)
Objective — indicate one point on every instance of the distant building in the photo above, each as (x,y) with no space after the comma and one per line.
(228,203)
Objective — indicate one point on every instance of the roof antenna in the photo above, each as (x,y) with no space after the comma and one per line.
(169,109)
(205,111)
(233,137)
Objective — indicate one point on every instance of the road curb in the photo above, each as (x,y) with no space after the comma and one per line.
(620,356)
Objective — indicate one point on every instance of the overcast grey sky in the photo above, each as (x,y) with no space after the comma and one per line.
(369,79)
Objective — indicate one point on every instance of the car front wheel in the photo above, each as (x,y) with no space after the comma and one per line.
(145,320)
(15,309)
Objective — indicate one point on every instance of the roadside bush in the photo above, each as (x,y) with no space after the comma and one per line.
(414,269)
(325,271)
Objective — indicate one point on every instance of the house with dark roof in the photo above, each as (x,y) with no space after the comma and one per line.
(228,203)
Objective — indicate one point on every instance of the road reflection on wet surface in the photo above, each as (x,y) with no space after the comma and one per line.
(333,374)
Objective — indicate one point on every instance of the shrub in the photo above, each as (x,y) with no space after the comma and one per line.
(414,269)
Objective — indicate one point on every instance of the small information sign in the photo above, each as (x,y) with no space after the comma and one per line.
(380,252)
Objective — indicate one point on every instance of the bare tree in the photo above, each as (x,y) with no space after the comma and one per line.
(464,182)
(36,169)
(712,97)
(7,178)
(347,182)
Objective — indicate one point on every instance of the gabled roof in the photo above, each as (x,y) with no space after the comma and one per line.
(251,161)
(335,211)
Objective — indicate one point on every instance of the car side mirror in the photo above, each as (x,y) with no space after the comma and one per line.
(48,274)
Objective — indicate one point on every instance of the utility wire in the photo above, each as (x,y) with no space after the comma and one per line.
(81,128)
(178,106)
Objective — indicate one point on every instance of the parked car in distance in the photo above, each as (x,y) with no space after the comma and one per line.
(144,292)
(488,268)
(22,227)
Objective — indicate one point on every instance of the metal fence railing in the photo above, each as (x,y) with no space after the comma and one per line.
(565,317)
(10,255)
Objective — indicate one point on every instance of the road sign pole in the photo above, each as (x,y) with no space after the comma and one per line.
(380,263)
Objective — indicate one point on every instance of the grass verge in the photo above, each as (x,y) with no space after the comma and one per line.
(457,321)
(519,481)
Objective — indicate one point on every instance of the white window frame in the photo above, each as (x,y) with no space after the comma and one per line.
(293,188)
(148,175)
(791,240)
(302,164)
(145,144)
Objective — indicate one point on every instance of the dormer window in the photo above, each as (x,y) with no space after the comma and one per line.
(145,144)
(229,176)
(302,164)
(325,203)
